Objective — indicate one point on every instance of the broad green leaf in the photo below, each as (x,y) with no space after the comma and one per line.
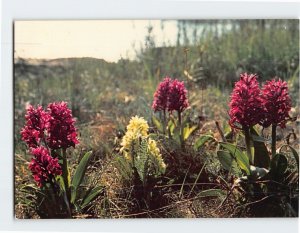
(201,140)
(294,152)
(91,196)
(79,174)
(187,131)
(229,163)
(278,166)
(241,158)
(261,155)
(157,123)
(212,193)
(225,159)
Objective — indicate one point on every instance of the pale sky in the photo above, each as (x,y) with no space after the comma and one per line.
(107,39)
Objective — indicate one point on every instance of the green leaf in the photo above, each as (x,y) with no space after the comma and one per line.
(229,163)
(79,174)
(187,131)
(261,155)
(176,135)
(62,186)
(141,159)
(201,140)
(172,125)
(61,183)
(91,196)
(212,193)
(278,165)
(294,152)
(157,124)
(123,167)
(225,159)
(241,158)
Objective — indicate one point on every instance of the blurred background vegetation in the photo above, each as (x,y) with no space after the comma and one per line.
(209,56)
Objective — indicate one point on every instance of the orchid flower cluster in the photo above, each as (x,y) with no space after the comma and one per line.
(137,131)
(251,105)
(171,95)
(46,132)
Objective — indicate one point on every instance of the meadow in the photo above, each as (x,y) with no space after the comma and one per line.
(140,145)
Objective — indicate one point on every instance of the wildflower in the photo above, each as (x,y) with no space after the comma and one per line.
(61,131)
(246,103)
(161,95)
(156,156)
(137,127)
(140,150)
(43,166)
(276,102)
(177,97)
(37,121)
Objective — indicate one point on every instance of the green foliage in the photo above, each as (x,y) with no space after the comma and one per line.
(201,141)
(294,153)
(157,124)
(278,166)
(187,131)
(261,155)
(212,193)
(143,159)
(229,163)
(241,158)
(91,195)
(79,175)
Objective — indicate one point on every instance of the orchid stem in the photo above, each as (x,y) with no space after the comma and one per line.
(249,143)
(164,121)
(66,172)
(273,140)
(180,130)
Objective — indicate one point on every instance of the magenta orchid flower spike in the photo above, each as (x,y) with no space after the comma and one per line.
(43,166)
(161,95)
(178,100)
(37,121)
(246,102)
(61,131)
(276,102)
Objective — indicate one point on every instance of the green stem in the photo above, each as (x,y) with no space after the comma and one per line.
(248,143)
(66,173)
(52,183)
(273,140)
(180,130)
(164,121)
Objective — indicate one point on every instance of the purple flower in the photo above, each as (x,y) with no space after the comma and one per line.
(61,131)
(161,95)
(177,97)
(43,166)
(37,121)
(276,102)
(246,103)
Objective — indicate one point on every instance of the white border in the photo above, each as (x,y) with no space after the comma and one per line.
(118,9)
